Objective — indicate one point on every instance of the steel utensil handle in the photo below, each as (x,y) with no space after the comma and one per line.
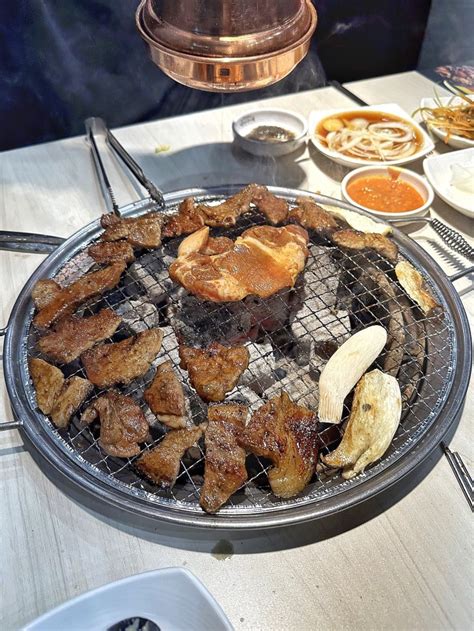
(451,237)
(107,191)
(28,242)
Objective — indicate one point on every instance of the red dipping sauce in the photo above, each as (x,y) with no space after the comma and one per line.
(387,193)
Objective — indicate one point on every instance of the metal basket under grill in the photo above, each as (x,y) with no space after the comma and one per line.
(433,375)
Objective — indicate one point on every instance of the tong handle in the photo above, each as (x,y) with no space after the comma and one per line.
(129,162)
(93,127)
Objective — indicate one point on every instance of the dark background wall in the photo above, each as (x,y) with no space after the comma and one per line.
(64,60)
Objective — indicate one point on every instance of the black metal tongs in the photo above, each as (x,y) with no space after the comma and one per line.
(97,127)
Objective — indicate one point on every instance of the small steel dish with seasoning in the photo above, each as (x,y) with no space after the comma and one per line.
(388,192)
(270,133)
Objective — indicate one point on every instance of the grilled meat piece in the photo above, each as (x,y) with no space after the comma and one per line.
(224,469)
(161,464)
(274,208)
(414,284)
(395,346)
(44,291)
(72,336)
(354,240)
(217,245)
(373,421)
(187,220)
(47,381)
(55,396)
(111,251)
(227,213)
(165,396)
(192,216)
(73,393)
(141,232)
(310,215)
(263,261)
(123,361)
(122,424)
(215,370)
(67,299)
(286,434)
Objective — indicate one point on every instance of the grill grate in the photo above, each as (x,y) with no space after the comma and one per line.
(288,356)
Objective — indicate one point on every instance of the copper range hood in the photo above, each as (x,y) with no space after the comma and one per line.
(227,45)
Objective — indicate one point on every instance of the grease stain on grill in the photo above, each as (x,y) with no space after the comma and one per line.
(223,550)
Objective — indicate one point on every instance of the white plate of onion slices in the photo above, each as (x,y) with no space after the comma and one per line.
(376,135)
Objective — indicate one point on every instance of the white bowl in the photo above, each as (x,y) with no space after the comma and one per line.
(316,117)
(458,142)
(291,121)
(172,598)
(438,171)
(417,181)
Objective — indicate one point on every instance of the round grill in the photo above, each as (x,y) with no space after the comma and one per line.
(310,321)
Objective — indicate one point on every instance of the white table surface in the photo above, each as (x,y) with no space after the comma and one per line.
(409,567)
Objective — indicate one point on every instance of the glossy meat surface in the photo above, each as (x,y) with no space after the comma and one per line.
(111,251)
(286,434)
(224,469)
(140,232)
(311,216)
(161,464)
(67,299)
(262,261)
(72,336)
(165,396)
(122,424)
(108,364)
(215,370)
(354,240)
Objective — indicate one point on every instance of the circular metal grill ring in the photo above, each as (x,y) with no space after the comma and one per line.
(63,459)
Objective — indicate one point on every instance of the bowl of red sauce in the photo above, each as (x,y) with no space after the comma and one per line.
(389,192)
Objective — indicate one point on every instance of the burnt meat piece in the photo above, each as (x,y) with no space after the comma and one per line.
(122,424)
(286,434)
(161,464)
(44,291)
(47,381)
(354,240)
(141,232)
(67,299)
(111,251)
(73,393)
(262,261)
(165,396)
(108,364)
(274,208)
(215,370)
(72,336)
(311,216)
(224,469)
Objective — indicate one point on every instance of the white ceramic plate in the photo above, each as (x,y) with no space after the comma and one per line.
(316,117)
(172,598)
(438,171)
(291,121)
(458,142)
(417,181)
